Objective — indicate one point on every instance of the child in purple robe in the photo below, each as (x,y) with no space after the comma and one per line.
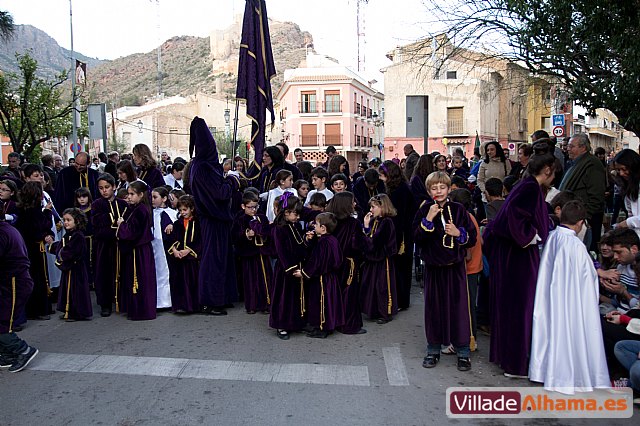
(34,223)
(351,239)
(250,233)
(138,265)
(324,300)
(74,299)
(83,202)
(185,254)
(378,294)
(443,231)
(105,213)
(288,298)
(15,286)
(9,198)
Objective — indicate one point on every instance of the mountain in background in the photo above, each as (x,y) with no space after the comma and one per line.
(189,64)
(52,59)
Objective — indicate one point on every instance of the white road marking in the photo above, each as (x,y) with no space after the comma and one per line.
(320,374)
(396,372)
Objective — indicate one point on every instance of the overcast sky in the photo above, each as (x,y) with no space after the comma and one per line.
(108,29)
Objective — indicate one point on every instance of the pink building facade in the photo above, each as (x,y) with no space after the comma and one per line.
(323,106)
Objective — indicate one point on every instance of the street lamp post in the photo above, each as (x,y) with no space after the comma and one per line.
(378,122)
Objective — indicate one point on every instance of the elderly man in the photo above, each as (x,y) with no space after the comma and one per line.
(586,178)
(73,177)
(412,160)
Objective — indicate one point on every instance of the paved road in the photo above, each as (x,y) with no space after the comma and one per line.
(198,369)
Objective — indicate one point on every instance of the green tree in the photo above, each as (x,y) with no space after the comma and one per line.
(31,110)
(7,26)
(589,47)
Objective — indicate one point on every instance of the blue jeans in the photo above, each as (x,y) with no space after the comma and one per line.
(627,354)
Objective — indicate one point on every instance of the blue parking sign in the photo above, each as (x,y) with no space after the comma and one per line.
(558,119)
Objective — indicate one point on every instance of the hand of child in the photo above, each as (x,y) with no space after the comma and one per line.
(451,229)
(119,221)
(176,254)
(309,235)
(250,233)
(168,229)
(48,239)
(613,317)
(484,221)
(184,253)
(297,273)
(433,212)
(49,205)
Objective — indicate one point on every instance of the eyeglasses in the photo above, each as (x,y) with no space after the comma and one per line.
(251,207)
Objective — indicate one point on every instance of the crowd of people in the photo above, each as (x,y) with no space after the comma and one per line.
(509,248)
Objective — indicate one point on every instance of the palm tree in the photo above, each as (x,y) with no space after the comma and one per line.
(7,26)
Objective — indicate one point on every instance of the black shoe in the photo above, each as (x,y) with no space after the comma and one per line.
(430,360)
(217,312)
(105,312)
(23,360)
(282,334)
(43,317)
(17,328)
(464,364)
(318,334)
(361,331)
(7,361)
(383,320)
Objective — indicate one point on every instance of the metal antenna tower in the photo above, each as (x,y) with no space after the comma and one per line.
(360,29)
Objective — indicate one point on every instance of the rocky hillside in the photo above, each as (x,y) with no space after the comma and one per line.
(188,63)
(188,66)
(52,58)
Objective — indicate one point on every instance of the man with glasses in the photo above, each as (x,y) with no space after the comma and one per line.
(586,178)
(73,177)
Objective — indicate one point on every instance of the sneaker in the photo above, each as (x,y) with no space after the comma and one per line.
(515,376)
(23,360)
(430,360)
(7,360)
(464,364)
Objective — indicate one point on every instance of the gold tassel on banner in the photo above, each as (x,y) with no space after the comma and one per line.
(135,275)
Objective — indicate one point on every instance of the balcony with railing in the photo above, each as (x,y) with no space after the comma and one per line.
(356,107)
(455,126)
(332,106)
(308,107)
(309,140)
(335,140)
(357,140)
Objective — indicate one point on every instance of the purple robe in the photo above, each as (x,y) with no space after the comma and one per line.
(288,297)
(90,258)
(351,239)
(419,190)
(324,301)
(35,224)
(447,317)
(213,192)
(184,273)
(68,181)
(152,177)
(255,265)
(104,214)
(138,268)
(15,282)
(514,263)
(406,207)
(378,293)
(74,298)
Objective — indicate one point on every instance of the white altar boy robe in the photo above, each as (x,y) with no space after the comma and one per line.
(567,352)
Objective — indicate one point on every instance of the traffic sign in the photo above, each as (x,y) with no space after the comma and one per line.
(558,120)
(76,147)
(558,131)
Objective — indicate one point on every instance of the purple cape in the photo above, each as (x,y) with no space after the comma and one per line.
(514,263)
(212,193)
